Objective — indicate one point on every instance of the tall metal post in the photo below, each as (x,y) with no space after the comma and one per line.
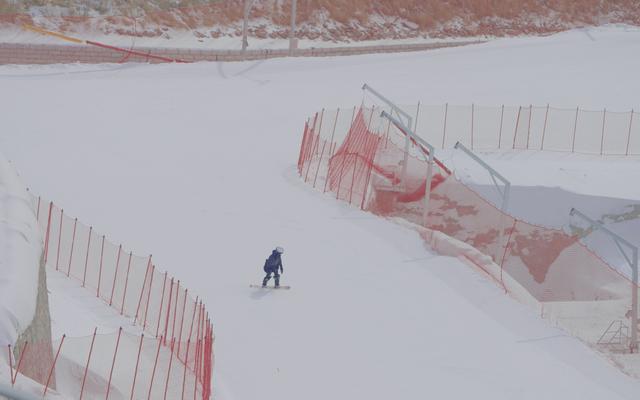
(633,263)
(634,303)
(504,192)
(427,148)
(408,123)
(293,42)
(245,23)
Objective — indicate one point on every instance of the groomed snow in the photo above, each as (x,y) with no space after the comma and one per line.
(196,164)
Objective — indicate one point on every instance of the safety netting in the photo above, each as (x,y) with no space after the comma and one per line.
(371,165)
(117,365)
(156,303)
(602,132)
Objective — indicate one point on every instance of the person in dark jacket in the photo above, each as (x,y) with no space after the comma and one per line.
(273,265)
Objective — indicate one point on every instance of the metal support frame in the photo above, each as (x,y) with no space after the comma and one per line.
(430,150)
(633,263)
(504,192)
(409,123)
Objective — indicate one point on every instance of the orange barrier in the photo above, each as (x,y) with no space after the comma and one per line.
(132,286)
(363,166)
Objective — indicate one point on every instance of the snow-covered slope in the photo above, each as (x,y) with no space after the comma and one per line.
(196,164)
(20,250)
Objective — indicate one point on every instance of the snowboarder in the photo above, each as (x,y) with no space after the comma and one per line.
(272,265)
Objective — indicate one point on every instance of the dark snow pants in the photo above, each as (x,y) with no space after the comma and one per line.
(276,276)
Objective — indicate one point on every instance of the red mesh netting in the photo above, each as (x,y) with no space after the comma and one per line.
(366,170)
(155,302)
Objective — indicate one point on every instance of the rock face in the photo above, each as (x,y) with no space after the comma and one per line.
(333,20)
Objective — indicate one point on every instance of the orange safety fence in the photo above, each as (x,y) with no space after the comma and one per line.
(362,165)
(575,130)
(131,285)
(118,365)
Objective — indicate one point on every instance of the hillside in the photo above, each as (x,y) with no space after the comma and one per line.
(195,163)
(326,20)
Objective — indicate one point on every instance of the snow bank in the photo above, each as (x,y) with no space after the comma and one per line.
(446,245)
(21,247)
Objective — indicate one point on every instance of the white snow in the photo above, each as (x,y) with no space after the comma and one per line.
(180,38)
(196,164)
(20,249)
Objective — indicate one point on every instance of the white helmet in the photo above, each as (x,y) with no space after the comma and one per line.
(279,249)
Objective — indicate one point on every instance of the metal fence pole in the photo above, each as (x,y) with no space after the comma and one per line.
(293,45)
(495,177)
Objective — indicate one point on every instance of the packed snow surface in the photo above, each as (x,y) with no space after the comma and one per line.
(196,164)
(20,250)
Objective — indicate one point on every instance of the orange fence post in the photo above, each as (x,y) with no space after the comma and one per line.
(504,255)
(629,135)
(314,145)
(500,132)
(444,129)
(184,306)
(201,336)
(302,148)
(155,365)
(184,374)
(196,360)
(166,384)
(115,275)
(146,309)
(331,149)
(166,324)
(113,362)
(529,125)
(544,128)
(164,284)
(305,144)
(55,360)
(11,365)
(144,284)
(100,270)
(604,118)
(353,176)
(372,151)
(126,283)
(515,131)
(86,368)
(472,116)
(175,311)
(193,317)
(575,127)
(195,369)
(59,238)
(86,260)
(315,178)
(73,241)
(22,353)
(46,240)
(135,372)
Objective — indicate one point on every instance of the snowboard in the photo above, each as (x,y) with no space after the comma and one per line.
(270,287)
